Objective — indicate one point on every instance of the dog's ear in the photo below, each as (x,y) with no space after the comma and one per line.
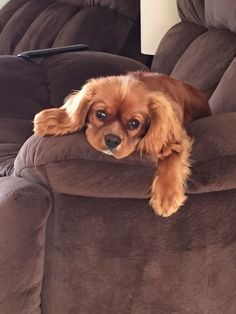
(67,119)
(167,140)
(165,133)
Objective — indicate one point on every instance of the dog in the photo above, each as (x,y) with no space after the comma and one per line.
(139,111)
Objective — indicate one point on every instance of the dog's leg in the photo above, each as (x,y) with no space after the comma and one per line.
(168,188)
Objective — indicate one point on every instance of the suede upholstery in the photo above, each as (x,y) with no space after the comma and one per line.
(58,156)
(76,231)
(105,25)
(24,209)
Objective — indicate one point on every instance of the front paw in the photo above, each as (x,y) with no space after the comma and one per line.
(166,203)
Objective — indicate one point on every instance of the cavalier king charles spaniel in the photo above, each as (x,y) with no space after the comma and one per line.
(140,111)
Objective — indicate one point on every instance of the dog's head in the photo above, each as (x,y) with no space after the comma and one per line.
(121,114)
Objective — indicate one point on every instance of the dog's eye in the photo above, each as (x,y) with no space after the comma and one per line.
(133,124)
(101,115)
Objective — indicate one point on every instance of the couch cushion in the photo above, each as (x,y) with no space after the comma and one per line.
(205,61)
(105,25)
(164,61)
(127,8)
(192,11)
(224,96)
(46,82)
(201,49)
(13,133)
(221,14)
(24,89)
(69,71)
(201,58)
(68,164)
(118,257)
(214,154)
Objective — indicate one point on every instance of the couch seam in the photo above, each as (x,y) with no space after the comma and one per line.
(73,159)
(212,159)
(47,83)
(51,189)
(51,209)
(107,7)
(120,163)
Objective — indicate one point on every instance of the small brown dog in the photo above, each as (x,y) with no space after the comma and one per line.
(142,112)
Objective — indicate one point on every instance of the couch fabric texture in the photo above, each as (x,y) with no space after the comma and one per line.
(105,25)
(92,244)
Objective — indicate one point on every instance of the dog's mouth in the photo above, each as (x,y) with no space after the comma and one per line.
(115,152)
(119,151)
(107,152)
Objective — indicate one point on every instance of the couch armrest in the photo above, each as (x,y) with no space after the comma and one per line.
(24,209)
(67,164)
(13,134)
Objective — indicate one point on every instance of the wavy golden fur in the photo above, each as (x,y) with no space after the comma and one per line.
(142,112)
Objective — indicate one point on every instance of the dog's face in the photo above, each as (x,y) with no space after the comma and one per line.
(118,117)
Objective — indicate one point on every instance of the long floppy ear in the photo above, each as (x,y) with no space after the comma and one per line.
(167,141)
(165,132)
(67,119)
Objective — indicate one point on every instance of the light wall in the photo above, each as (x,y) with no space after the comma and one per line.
(2,2)
(157,17)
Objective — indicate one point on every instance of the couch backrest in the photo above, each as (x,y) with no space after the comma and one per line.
(201,50)
(105,25)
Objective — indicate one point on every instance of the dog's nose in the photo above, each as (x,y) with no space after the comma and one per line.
(112,141)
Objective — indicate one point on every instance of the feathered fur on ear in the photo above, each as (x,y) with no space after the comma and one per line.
(68,118)
(165,132)
(168,141)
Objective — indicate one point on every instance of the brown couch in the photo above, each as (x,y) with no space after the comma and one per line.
(77,234)
(105,25)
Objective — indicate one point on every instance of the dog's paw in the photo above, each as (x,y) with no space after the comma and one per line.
(167,203)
